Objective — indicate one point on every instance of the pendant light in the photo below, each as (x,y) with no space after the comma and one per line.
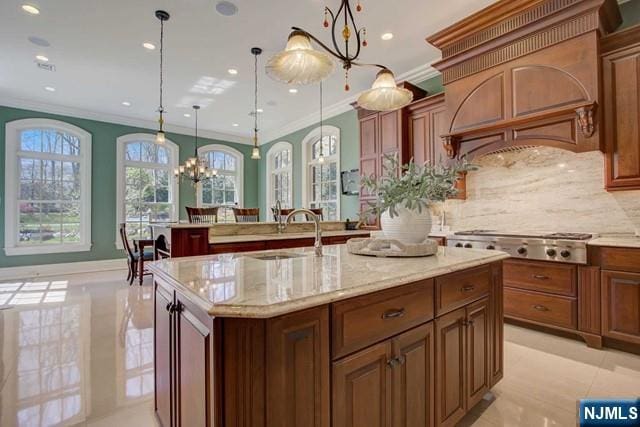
(162,16)
(384,95)
(300,63)
(255,152)
(195,169)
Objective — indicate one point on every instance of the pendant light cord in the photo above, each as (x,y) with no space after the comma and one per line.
(196,152)
(161,109)
(255,100)
(321,143)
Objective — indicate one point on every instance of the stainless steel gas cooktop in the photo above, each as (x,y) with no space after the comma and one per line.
(556,246)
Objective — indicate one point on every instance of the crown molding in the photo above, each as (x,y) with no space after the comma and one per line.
(43,107)
(416,75)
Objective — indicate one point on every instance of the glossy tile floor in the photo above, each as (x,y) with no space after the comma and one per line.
(78,350)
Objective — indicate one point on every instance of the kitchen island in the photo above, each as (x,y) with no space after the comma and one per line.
(284,338)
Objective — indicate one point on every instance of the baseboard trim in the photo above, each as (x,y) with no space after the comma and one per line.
(44,270)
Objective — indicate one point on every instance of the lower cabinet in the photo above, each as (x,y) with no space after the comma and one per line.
(463,360)
(621,306)
(387,384)
(182,363)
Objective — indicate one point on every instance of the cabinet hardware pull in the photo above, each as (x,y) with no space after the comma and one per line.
(540,277)
(540,307)
(390,314)
(467,288)
(467,322)
(399,360)
(169,307)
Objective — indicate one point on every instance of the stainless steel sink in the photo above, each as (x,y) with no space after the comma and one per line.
(275,256)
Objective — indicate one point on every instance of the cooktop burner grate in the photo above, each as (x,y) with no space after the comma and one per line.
(559,236)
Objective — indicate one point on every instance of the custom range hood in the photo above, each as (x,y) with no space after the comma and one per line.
(524,73)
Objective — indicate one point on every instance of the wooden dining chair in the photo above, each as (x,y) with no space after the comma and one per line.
(283,213)
(317,211)
(246,215)
(202,215)
(135,258)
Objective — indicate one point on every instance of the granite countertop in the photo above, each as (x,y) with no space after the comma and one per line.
(240,285)
(274,236)
(622,241)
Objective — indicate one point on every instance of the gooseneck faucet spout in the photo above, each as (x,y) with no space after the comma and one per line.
(278,209)
(316,220)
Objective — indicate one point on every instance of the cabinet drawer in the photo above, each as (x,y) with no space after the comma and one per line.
(458,289)
(541,276)
(544,308)
(361,321)
(621,259)
(224,248)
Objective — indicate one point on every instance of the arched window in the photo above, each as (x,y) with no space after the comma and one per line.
(226,190)
(147,189)
(321,172)
(279,175)
(47,187)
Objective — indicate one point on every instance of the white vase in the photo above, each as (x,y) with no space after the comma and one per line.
(409,226)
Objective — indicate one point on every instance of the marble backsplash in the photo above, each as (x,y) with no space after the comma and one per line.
(543,189)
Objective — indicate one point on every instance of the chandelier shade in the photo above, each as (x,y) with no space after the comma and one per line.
(384,94)
(299,63)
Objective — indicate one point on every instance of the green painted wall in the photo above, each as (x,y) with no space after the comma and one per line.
(349,154)
(103,189)
(630,13)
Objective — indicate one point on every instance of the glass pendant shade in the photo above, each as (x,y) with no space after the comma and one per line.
(299,63)
(384,95)
(160,138)
(255,153)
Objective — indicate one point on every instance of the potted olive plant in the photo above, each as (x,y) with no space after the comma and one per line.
(405,193)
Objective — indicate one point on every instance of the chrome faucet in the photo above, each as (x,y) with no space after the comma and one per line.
(278,212)
(316,220)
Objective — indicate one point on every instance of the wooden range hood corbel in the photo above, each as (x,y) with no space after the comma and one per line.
(523,73)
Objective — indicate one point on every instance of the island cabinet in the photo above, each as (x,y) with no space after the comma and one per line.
(415,355)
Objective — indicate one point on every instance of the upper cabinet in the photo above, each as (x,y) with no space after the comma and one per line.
(524,73)
(621,83)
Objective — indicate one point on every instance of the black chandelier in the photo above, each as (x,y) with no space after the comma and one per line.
(299,63)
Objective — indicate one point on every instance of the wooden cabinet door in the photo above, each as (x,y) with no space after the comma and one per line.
(478,354)
(419,136)
(412,378)
(621,305)
(193,367)
(298,376)
(451,343)
(163,354)
(438,127)
(621,73)
(369,150)
(361,388)
(497,334)
(391,140)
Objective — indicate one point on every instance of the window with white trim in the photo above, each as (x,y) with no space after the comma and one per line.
(321,178)
(147,187)
(279,174)
(47,187)
(224,190)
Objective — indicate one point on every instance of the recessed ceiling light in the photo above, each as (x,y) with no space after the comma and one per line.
(187,115)
(232,71)
(42,58)
(387,36)
(148,45)
(260,110)
(226,8)
(50,88)
(293,90)
(39,41)
(31,9)
(126,103)
(235,125)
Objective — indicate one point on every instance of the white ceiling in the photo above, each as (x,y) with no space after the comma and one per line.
(96,46)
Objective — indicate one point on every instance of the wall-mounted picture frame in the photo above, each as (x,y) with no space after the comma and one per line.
(350,182)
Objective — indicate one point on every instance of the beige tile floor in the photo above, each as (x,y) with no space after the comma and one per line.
(78,350)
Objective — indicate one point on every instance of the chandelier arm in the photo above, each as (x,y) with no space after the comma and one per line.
(360,64)
(333,30)
(356,30)
(322,45)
